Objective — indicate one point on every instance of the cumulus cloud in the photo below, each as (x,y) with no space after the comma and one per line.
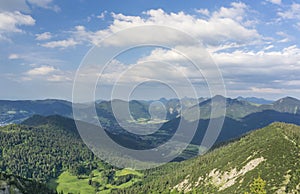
(243,71)
(16,13)
(228,32)
(259,62)
(228,24)
(46,73)
(246,70)
(43,36)
(229,35)
(60,43)
(10,21)
(43,70)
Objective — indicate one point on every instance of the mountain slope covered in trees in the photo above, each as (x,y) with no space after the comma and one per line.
(269,156)
(50,150)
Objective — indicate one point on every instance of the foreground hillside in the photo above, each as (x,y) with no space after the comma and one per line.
(50,150)
(270,155)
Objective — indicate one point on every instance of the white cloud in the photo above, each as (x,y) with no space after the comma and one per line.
(236,12)
(102,15)
(252,71)
(58,78)
(292,13)
(118,74)
(60,43)
(43,70)
(43,36)
(277,2)
(13,56)
(260,60)
(203,12)
(10,21)
(268,47)
(46,73)
(284,40)
(225,25)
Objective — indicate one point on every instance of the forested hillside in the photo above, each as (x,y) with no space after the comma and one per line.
(268,156)
(41,152)
(50,150)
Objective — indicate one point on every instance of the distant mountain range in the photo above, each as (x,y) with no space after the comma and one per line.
(241,117)
(18,111)
(255,100)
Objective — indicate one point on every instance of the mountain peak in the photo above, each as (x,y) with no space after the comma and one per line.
(287,99)
(218,97)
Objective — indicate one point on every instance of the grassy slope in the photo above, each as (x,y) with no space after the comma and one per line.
(278,144)
(69,183)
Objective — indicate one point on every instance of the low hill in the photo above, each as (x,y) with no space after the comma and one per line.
(269,155)
(61,123)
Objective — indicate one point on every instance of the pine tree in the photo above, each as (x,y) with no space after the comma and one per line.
(258,186)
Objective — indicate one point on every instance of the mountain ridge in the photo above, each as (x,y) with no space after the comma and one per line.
(233,167)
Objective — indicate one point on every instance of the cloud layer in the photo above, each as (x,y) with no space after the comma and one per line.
(257,51)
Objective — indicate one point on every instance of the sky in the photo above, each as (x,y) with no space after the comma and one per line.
(254,45)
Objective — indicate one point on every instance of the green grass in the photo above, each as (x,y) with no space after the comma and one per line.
(69,183)
(127,171)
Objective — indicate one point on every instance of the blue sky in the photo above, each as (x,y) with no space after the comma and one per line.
(254,43)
